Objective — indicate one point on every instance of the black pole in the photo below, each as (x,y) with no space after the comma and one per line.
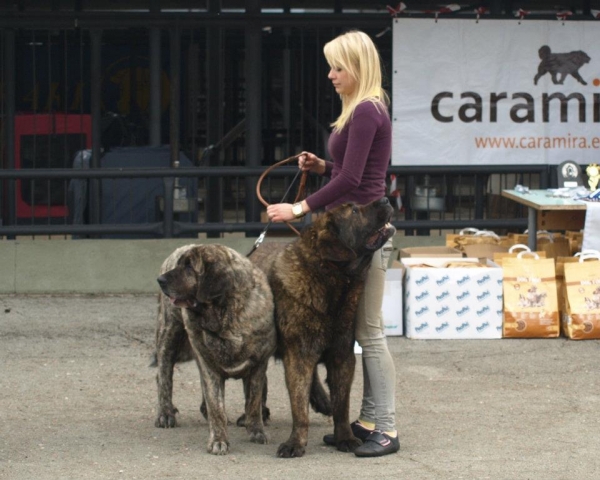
(9,129)
(169,184)
(155,99)
(175,93)
(253,70)
(96,105)
(480,195)
(213,203)
(175,67)
(155,69)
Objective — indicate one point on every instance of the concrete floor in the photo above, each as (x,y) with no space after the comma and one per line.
(78,402)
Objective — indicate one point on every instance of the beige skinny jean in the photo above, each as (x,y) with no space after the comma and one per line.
(379,373)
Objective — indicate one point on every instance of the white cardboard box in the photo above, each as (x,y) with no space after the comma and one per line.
(428,252)
(392,301)
(457,303)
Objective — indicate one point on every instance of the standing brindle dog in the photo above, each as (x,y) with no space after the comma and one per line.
(317,281)
(215,307)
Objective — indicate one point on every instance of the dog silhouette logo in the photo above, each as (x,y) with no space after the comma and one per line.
(559,65)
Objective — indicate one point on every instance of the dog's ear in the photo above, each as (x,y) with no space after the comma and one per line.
(194,259)
(225,274)
(328,239)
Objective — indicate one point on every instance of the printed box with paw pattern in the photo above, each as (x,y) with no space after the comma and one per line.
(454,298)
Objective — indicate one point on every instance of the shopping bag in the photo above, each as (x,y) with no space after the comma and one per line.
(582,307)
(530,298)
(559,264)
(575,241)
(482,237)
(451,237)
(513,251)
(554,246)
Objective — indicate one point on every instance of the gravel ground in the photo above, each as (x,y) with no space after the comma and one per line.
(77,401)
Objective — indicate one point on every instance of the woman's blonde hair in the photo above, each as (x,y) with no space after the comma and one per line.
(356,53)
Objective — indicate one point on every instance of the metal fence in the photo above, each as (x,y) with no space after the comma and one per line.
(101,203)
(229,91)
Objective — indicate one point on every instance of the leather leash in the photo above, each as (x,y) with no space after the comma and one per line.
(299,195)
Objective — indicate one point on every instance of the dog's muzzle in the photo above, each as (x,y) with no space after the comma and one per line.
(177,302)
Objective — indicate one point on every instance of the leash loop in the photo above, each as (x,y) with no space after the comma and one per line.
(299,195)
(301,187)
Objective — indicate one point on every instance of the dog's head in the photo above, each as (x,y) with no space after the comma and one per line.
(544,51)
(580,58)
(350,231)
(205,274)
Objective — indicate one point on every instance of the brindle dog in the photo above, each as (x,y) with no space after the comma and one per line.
(317,281)
(217,308)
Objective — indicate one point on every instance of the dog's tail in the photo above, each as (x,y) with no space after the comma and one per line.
(319,399)
(544,51)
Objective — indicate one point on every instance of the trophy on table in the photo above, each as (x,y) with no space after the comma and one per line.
(593,173)
(569,174)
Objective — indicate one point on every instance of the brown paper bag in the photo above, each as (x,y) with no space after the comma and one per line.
(582,309)
(530,299)
(506,241)
(556,246)
(519,238)
(559,264)
(575,240)
(513,251)
(482,237)
(450,237)
(484,250)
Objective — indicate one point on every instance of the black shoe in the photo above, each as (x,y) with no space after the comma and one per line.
(378,444)
(358,431)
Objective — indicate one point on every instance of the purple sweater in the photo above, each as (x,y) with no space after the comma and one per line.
(360,154)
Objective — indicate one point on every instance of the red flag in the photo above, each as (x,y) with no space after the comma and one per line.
(521,13)
(395,11)
(563,15)
(395,191)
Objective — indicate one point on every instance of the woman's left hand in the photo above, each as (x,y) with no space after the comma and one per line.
(280,212)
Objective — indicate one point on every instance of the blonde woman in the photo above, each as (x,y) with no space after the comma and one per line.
(360,148)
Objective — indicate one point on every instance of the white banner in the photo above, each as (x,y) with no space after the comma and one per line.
(495,92)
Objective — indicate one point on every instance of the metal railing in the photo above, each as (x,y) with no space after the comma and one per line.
(470,200)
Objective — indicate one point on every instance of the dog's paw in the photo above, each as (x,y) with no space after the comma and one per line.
(166,419)
(259,436)
(289,450)
(218,448)
(348,445)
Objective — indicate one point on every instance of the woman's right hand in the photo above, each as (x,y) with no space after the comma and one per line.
(309,162)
